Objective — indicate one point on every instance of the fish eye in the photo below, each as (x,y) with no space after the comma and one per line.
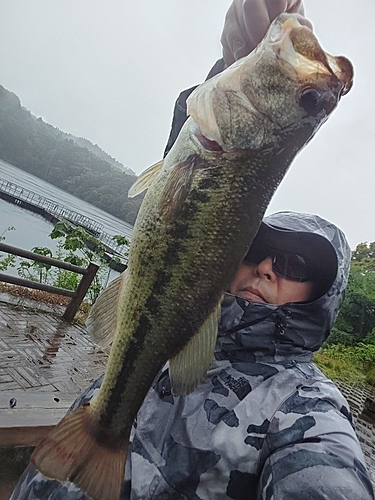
(310,100)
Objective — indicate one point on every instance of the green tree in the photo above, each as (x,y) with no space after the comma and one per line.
(357,314)
(8,260)
(36,271)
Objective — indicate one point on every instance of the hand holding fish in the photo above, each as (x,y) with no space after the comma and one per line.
(246,24)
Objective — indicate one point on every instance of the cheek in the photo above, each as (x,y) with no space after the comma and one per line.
(241,278)
(290,291)
(234,286)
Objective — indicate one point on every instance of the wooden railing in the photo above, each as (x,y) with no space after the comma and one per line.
(76,296)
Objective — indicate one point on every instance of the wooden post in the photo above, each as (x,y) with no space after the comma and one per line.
(81,291)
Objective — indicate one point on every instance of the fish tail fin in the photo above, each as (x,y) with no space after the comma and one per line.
(70,452)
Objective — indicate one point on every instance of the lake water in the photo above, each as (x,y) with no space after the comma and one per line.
(32,230)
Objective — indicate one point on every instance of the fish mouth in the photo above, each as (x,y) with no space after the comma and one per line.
(302,61)
(293,37)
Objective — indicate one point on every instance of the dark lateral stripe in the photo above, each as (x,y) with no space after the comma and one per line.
(179,232)
(128,366)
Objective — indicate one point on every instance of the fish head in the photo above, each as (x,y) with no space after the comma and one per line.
(287,84)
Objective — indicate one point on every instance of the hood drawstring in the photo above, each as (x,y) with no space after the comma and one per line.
(241,326)
(281,321)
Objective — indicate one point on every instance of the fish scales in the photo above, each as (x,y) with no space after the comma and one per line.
(204,221)
(203,207)
(226,192)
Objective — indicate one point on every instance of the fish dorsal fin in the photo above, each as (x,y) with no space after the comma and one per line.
(188,367)
(102,320)
(145,180)
(178,186)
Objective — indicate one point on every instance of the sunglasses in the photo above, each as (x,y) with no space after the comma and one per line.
(289,265)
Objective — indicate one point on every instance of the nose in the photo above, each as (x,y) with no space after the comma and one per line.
(265,269)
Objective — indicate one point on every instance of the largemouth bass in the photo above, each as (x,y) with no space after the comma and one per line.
(203,207)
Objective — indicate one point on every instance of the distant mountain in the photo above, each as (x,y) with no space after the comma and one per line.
(71,163)
(96,150)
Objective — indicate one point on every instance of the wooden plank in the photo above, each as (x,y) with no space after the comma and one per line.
(5,377)
(18,378)
(36,417)
(28,400)
(24,436)
(10,385)
(27,376)
(42,258)
(14,280)
(33,416)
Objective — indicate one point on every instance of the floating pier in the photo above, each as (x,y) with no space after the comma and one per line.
(55,212)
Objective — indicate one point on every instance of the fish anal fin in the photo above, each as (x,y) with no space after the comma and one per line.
(145,180)
(178,186)
(103,317)
(188,367)
(71,453)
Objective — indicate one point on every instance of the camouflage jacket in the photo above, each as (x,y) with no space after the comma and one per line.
(265,424)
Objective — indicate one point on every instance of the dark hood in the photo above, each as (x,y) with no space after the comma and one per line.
(251,331)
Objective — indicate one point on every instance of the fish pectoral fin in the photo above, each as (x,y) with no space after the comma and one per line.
(101,322)
(188,367)
(70,452)
(178,186)
(145,180)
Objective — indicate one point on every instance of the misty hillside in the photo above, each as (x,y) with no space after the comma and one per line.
(96,150)
(70,163)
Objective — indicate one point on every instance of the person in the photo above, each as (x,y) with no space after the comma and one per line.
(264,423)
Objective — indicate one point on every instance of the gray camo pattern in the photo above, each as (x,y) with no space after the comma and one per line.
(265,424)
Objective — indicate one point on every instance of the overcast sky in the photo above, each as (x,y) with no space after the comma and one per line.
(110,71)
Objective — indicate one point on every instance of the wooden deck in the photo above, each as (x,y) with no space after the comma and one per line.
(45,363)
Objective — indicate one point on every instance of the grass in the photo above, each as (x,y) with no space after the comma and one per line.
(350,364)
